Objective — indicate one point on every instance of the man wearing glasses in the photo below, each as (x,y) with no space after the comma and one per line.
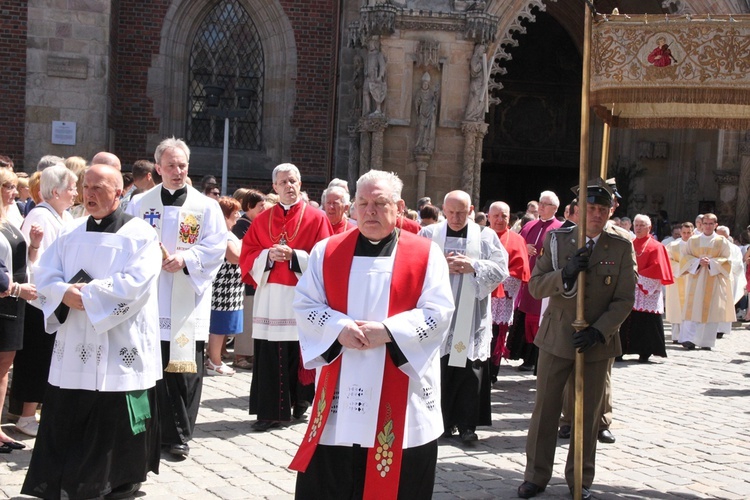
(526,318)
(709,300)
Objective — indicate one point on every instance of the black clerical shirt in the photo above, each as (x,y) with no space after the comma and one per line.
(366,248)
(108,224)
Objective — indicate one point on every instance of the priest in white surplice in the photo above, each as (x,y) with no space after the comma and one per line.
(192,232)
(708,298)
(372,310)
(98,433)
(478,263)
(736,278)
(674,302)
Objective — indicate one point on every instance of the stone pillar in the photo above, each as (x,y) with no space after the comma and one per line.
(423,161)
(352,173)
(467,174)
(364,147)
(67,77)
(373,126)
(474,133)
(479,141)
(742,217)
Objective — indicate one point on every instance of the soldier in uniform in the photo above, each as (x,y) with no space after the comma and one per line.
(609,262)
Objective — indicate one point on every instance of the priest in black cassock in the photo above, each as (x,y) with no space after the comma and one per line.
(372,310)
(99,433)
(478,263)
(193,236)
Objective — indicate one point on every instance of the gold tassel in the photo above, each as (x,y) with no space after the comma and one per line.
(181,367)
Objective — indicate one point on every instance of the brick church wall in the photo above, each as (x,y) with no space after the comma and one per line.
(138,38)
(13,28)
(314,23)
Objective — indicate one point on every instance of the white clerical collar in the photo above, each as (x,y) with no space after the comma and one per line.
(703,235)
(173,191)
(547,220)
(287,207)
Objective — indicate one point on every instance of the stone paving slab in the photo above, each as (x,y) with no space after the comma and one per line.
(682,428)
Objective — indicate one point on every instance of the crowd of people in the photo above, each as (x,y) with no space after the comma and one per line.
(122,290)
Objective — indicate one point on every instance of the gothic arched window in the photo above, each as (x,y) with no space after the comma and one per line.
(226,61)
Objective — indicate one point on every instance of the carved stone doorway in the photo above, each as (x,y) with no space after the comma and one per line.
(533,139)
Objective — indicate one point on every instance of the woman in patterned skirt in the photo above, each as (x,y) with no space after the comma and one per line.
(227,294)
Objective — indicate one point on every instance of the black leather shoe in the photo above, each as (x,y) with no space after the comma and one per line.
(126,490)
(179,450)
(564,432)
(606,436)
(300,409)
(468,436)
(264,425)
(529,490)
(526,368)
(688,345)
(14,445)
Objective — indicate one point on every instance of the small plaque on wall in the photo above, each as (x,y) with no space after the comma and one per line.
(64,133)
(68,67)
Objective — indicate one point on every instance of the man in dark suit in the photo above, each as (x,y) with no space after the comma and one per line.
(609,262)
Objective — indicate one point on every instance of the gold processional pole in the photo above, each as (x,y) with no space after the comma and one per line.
(580,322)
(605,150)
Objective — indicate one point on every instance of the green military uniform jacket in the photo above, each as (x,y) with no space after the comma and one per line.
(610,292)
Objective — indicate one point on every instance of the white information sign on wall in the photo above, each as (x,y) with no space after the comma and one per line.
(64,133)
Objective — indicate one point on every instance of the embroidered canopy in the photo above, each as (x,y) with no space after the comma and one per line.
(671,71)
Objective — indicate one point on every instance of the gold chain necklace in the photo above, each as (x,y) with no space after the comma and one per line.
(644,247)
(282,237)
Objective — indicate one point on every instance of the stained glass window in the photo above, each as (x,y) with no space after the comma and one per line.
(226,57)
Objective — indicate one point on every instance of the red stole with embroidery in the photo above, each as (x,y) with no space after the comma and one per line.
(383,467)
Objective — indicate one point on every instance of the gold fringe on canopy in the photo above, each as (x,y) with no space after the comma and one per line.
(671,71)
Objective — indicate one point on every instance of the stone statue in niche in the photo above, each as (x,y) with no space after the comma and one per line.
(426,104)
(358,79)
(476,107)
(375,85)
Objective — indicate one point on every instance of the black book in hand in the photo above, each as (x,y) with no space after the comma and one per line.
(62,310)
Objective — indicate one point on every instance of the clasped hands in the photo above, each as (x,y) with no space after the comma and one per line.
(362,335)
(280,253)
(73,297)
(459,264)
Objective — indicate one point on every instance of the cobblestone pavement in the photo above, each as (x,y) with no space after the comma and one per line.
(682,427)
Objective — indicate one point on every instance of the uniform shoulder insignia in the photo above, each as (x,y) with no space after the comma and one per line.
(563,230)
(618,232)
